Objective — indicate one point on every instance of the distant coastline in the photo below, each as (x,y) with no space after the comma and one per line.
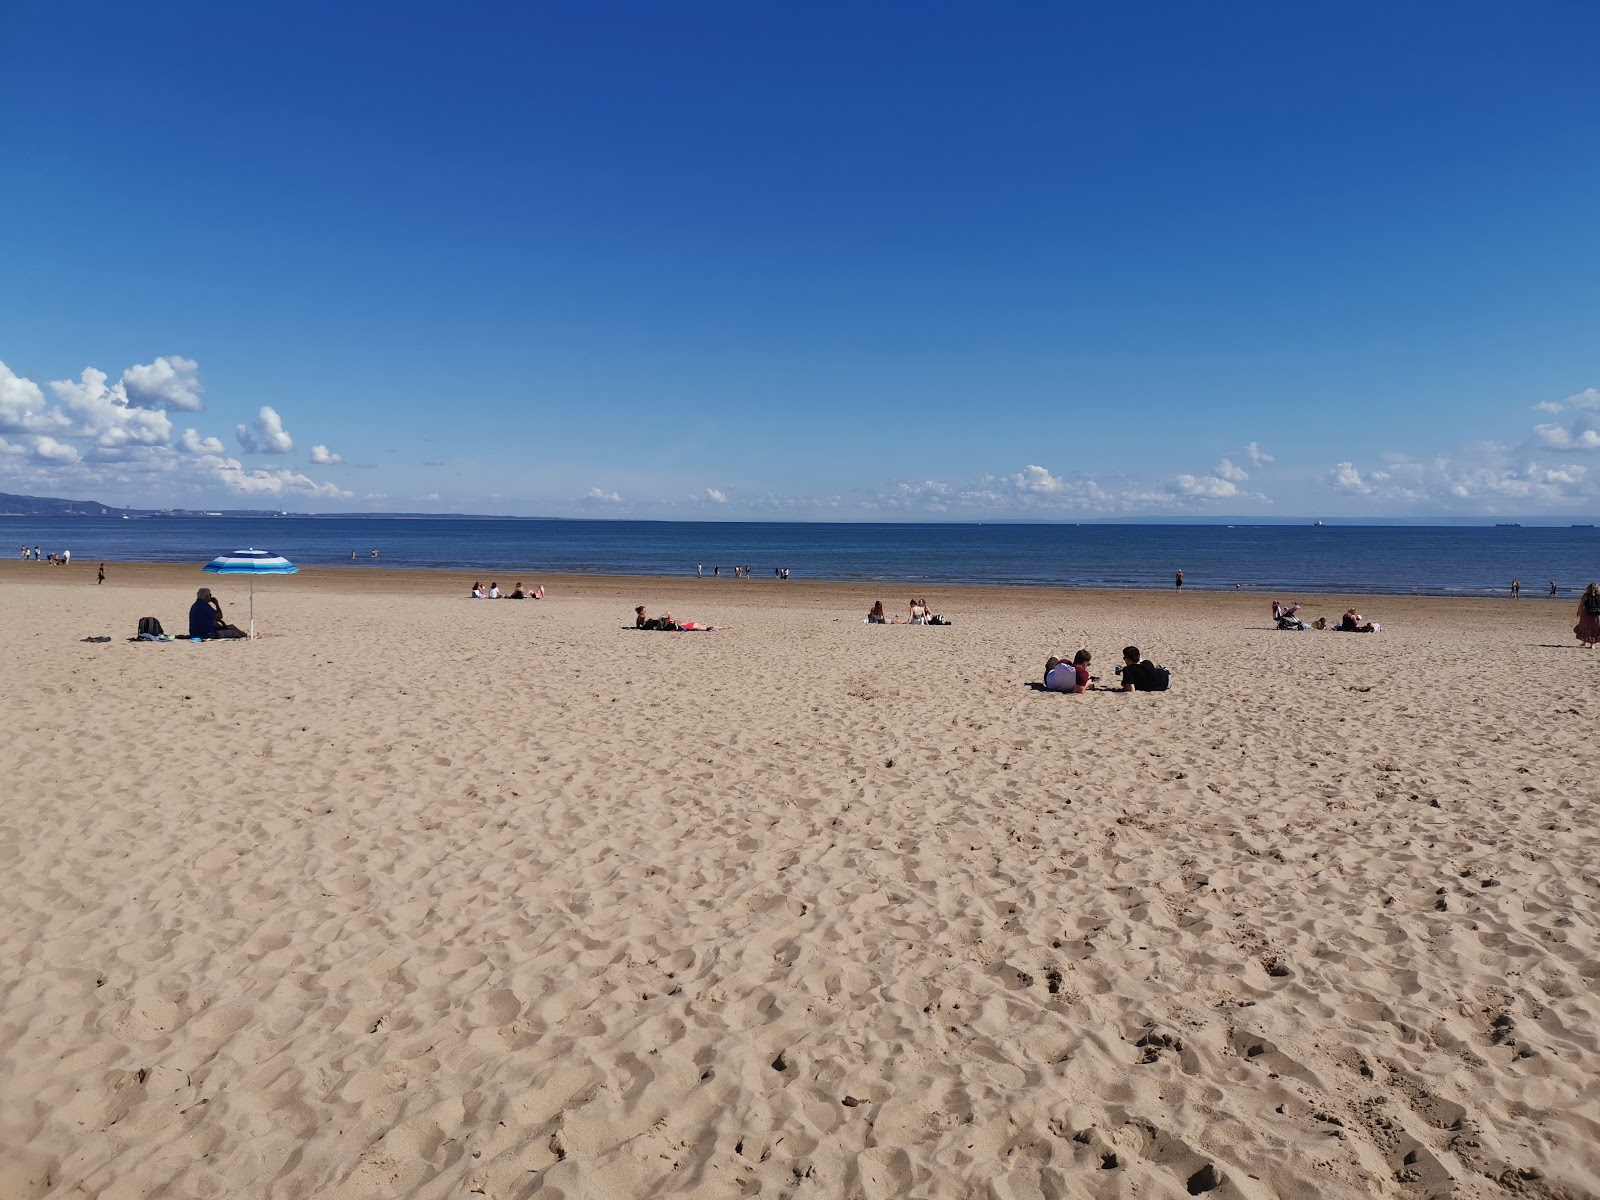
(52,506)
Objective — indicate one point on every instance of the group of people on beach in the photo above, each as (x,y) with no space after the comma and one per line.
(1287,616)
(492,592)
(1135,674)
(1516,589)
(920,614)
(64,559)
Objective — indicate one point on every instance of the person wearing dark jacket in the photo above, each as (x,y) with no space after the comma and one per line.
(205,618)
(1139,675)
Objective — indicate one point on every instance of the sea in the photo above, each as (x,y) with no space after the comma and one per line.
(1288,559)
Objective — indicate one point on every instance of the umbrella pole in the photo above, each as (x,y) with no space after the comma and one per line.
(252,608)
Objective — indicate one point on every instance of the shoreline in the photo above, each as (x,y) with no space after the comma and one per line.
(423,580)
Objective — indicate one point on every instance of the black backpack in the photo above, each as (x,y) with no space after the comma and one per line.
(151,626)
(1153,678)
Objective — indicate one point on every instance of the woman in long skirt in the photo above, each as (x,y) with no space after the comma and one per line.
(1588,627)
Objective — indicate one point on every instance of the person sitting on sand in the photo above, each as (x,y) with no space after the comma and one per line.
(519,594)
(877,616)
(919,614)
(1142,675)
(477,591)
(1071,677)
(494,591)
(205,618)
(1354,622)
(1587,630)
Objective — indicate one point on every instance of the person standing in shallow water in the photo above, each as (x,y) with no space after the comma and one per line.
(1516,588)
(1178,581)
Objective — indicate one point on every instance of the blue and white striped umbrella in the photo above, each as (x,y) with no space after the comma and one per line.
(252,563)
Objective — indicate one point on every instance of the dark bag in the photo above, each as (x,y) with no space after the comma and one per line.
(1151,678)
(1592,606)
(937,620)
(151,626)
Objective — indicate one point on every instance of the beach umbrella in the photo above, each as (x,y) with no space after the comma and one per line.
(251,563)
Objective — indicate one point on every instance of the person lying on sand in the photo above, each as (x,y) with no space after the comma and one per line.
(667,622)
(1140,674)
(1071,677)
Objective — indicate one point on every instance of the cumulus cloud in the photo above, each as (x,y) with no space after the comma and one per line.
(1492,477)
(1226,470)
(1258,456)
(1205,487)
(267,435)
(431,497)
(716,497)
(1345,478)
(598,496)
(166,383)
(323,457)
(190,442)
(23,408)
(103,414)
(1038,479)
(260,481)
(104,435)
(47,449)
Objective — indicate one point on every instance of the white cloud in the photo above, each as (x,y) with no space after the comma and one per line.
(323,457)
(103,414)
(1228,471)
(267,436)
(1345,478)
(1562,438)
(190,442)
(260,481)
(166,383)
(22,406)
(47,449)
(1205,487)
(1258,456)
(716,497)
(596,496)
(431,497)
(1038,479)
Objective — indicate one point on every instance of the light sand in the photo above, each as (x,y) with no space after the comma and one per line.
(423,896)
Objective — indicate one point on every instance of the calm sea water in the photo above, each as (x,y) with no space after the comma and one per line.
(1266,557)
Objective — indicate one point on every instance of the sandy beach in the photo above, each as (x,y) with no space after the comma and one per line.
(419,896)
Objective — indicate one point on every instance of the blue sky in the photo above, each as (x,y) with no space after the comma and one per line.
(742,260)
